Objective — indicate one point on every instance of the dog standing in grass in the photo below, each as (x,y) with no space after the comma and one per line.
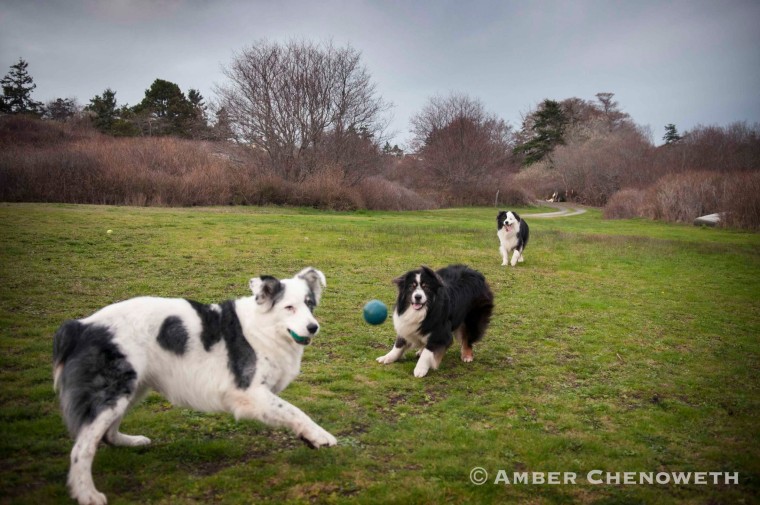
(513,235)
(435,307)
(231,357)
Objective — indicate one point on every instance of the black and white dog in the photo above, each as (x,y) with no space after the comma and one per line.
(232,357)
(513,235)
(434,307)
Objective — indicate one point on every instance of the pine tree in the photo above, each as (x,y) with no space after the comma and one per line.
(198,125)
(545,133)
(172,113)
(17,91)
(671,134)
(61,109)
(104,108)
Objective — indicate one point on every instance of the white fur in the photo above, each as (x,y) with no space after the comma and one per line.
(425,363)
(508,241)
(201,379)
(394,355)
(407,326)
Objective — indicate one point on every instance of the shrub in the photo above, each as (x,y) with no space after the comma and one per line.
(328,189)
(597,167)
(540,181)
(684,197)
(381,194)
(630,203)
(742,201)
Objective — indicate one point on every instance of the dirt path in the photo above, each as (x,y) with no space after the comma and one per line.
(563,210)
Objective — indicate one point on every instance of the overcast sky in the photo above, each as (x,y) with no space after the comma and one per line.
(686,62)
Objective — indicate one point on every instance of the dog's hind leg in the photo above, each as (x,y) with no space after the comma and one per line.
(80,481)
(114,437)
(466,351)
(463,338)
(474,327)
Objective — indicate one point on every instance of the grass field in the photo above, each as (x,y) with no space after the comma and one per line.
(620,346)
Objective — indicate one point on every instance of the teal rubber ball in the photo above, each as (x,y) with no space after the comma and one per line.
(375,312)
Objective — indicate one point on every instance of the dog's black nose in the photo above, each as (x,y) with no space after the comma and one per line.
(312,328)
(417,298)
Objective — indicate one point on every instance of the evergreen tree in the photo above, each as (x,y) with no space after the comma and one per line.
(392,151)
(671,134)
(60,109)
(17,91)
(104,109)
(172,113)
(222,128)
(198,125)
(545,129)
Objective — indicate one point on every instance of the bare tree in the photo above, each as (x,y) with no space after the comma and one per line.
(302,103)
(459,142)
(610,108)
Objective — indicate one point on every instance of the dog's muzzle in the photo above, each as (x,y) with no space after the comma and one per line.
(298,338)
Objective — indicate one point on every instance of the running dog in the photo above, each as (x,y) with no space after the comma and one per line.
(513,234)
(231,357)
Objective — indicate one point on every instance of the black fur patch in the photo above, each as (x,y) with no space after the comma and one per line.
(311,301)
(95,373)
(210,324)
(225,325)
(272,290)
(500,218)
(173,336)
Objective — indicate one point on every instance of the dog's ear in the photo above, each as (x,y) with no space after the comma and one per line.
(432,276)
(266,289)
(314,279)
(517,216)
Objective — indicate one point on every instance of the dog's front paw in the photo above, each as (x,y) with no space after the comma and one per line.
(319,438)
(91,497)
(421,370)
(387,359)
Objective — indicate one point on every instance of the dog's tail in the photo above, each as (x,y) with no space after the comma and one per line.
(65,342)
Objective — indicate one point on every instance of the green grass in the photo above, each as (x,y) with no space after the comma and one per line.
(622,346)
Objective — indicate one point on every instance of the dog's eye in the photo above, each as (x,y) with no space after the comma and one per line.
(290,308)
(424,285)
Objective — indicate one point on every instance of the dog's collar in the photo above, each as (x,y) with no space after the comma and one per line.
(298,338)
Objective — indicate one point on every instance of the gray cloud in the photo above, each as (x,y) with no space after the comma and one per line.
(687,62)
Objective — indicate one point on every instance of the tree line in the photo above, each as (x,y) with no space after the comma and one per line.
(309,108)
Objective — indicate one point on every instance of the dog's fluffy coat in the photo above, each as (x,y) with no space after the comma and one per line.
(434,307)
(231,357)
(513,233)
